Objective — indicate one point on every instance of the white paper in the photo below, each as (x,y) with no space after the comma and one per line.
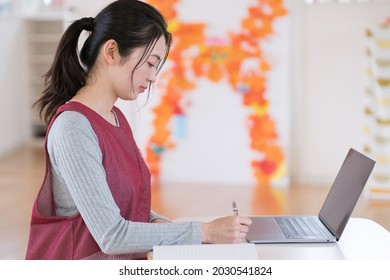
(242,251)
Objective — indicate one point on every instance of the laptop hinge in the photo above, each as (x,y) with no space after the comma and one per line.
(323,221)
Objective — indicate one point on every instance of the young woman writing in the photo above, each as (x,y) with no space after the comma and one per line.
(95,199)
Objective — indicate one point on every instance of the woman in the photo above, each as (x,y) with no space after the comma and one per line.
(95,199)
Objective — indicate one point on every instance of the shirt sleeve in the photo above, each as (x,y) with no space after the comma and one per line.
(154,216)
(77,169)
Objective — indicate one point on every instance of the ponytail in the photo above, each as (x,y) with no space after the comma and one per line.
(66,75)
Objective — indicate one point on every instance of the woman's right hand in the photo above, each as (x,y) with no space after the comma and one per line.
(230,229)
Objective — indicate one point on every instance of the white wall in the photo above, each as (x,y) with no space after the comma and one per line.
(87,8)
(14,129)
(329,86)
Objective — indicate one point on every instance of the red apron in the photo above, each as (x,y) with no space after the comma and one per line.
(57,237)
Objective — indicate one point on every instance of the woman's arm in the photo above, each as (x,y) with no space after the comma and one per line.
(155,218)
(77,162)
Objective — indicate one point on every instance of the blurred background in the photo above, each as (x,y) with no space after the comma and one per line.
(259,101)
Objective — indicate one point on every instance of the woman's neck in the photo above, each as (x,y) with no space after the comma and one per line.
(96,99)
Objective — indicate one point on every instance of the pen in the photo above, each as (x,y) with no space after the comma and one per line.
(235,209)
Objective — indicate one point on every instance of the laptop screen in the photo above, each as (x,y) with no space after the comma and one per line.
(345,191)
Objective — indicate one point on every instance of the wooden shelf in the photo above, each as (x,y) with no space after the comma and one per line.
(44,32)
(44,38)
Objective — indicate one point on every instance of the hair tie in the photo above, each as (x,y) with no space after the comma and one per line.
(88,23)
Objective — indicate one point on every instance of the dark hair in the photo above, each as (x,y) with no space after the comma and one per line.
(131,23)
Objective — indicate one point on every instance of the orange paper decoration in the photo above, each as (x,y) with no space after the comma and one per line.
(216,59)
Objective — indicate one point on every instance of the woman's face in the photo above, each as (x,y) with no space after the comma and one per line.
(129,83)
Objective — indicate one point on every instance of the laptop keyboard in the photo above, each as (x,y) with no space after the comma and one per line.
(299,227)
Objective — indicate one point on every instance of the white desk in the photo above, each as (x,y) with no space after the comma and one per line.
(361,239)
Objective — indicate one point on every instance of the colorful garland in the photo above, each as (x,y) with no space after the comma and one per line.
(216,59)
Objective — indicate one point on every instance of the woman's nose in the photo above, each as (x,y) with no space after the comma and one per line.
(152,75)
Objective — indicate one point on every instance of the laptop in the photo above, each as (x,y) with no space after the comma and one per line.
(334,214)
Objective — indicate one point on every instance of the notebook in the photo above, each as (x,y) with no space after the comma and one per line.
(242,251)
(333,216)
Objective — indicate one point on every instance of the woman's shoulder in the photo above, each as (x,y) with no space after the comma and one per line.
(69,125)
(68,119)
(69,130)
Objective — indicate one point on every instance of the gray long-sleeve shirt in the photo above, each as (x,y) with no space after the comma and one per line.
(79,185)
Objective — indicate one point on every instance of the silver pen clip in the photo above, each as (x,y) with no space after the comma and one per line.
(235,209)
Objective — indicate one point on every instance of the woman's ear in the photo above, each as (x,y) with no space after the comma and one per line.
(110,52)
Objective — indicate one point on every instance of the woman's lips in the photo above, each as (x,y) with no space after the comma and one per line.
(142,89)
